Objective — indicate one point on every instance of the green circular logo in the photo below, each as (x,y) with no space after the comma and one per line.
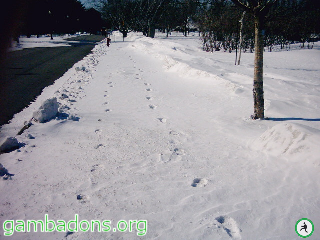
(304,227)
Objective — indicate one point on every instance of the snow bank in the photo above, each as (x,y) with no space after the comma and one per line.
(293,141)
(47,111)
(176,59)
(9,144)
(68,87)
(44,41)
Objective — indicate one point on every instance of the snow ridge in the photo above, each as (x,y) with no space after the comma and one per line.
(168,52)
(293,141)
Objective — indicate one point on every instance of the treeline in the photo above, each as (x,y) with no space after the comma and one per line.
(286,22)
(217,20)
(147,15)
(58,17)
(294,20)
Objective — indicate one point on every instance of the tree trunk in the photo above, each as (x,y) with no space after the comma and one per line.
(258,70)
(152,31)
(241,29)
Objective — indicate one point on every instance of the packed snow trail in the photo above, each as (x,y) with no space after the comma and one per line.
(143,136)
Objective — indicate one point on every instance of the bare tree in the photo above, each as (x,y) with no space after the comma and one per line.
(259,9)
(119,13)
(151,13)
(217,23)
(241,36)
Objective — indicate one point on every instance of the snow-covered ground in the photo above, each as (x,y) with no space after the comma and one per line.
(158,130)
(42,41)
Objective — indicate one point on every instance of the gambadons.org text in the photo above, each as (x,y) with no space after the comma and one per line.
(75,225)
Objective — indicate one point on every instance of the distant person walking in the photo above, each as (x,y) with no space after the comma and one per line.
(108,41)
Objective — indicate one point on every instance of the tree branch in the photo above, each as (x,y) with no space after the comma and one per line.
(267,6)
(253,3)
(255,7)
(241,5)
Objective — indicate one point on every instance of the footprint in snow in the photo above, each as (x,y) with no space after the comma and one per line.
(230,226)
(173,155)
(182,137)
(174,133)
(147,84)
(152,106)
(97,171)
(68,233)
(163,120)
(97,167)
(97,131)
(64,96)
(149,98)
(97,146)
(178,151)
(148,89)
(108,110)
(82,198)
(199,182)
(165,156)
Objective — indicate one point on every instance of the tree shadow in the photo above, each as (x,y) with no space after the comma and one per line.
(293,119)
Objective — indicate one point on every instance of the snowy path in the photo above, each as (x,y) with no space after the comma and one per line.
(157,143)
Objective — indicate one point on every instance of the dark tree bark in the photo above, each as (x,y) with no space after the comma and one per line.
(258,96)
